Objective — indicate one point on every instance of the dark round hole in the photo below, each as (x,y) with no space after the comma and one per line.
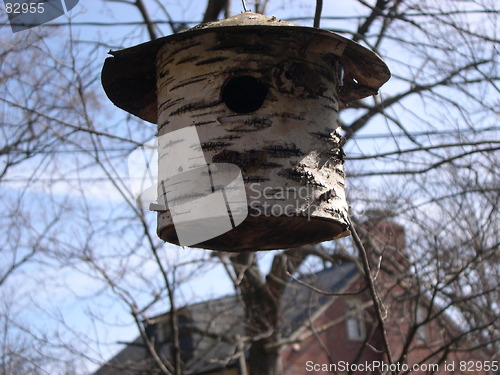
(244,94)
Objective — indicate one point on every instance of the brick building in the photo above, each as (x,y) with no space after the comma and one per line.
(324,333)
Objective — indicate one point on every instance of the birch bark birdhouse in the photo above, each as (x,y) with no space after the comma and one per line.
(249,149)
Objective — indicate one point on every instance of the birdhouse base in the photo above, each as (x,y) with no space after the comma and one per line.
(268,233)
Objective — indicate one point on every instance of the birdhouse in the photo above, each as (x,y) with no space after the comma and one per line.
(247,108)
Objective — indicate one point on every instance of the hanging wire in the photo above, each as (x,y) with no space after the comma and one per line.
(244,6)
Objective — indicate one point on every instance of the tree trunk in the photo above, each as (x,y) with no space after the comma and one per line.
(264,361)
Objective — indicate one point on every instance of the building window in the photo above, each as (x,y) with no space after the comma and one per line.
(356,326)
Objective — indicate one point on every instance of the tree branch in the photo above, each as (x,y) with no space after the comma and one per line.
(214,8)
(377,303)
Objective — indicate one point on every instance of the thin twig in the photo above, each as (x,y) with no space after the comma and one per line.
(373,292)
(324,292)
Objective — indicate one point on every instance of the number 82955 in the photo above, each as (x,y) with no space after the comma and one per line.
(22,8)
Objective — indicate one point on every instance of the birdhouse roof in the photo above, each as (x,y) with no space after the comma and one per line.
(129,76)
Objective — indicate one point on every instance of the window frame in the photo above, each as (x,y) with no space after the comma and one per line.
(355,322)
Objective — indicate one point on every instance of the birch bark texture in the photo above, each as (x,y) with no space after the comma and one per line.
(264,95)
